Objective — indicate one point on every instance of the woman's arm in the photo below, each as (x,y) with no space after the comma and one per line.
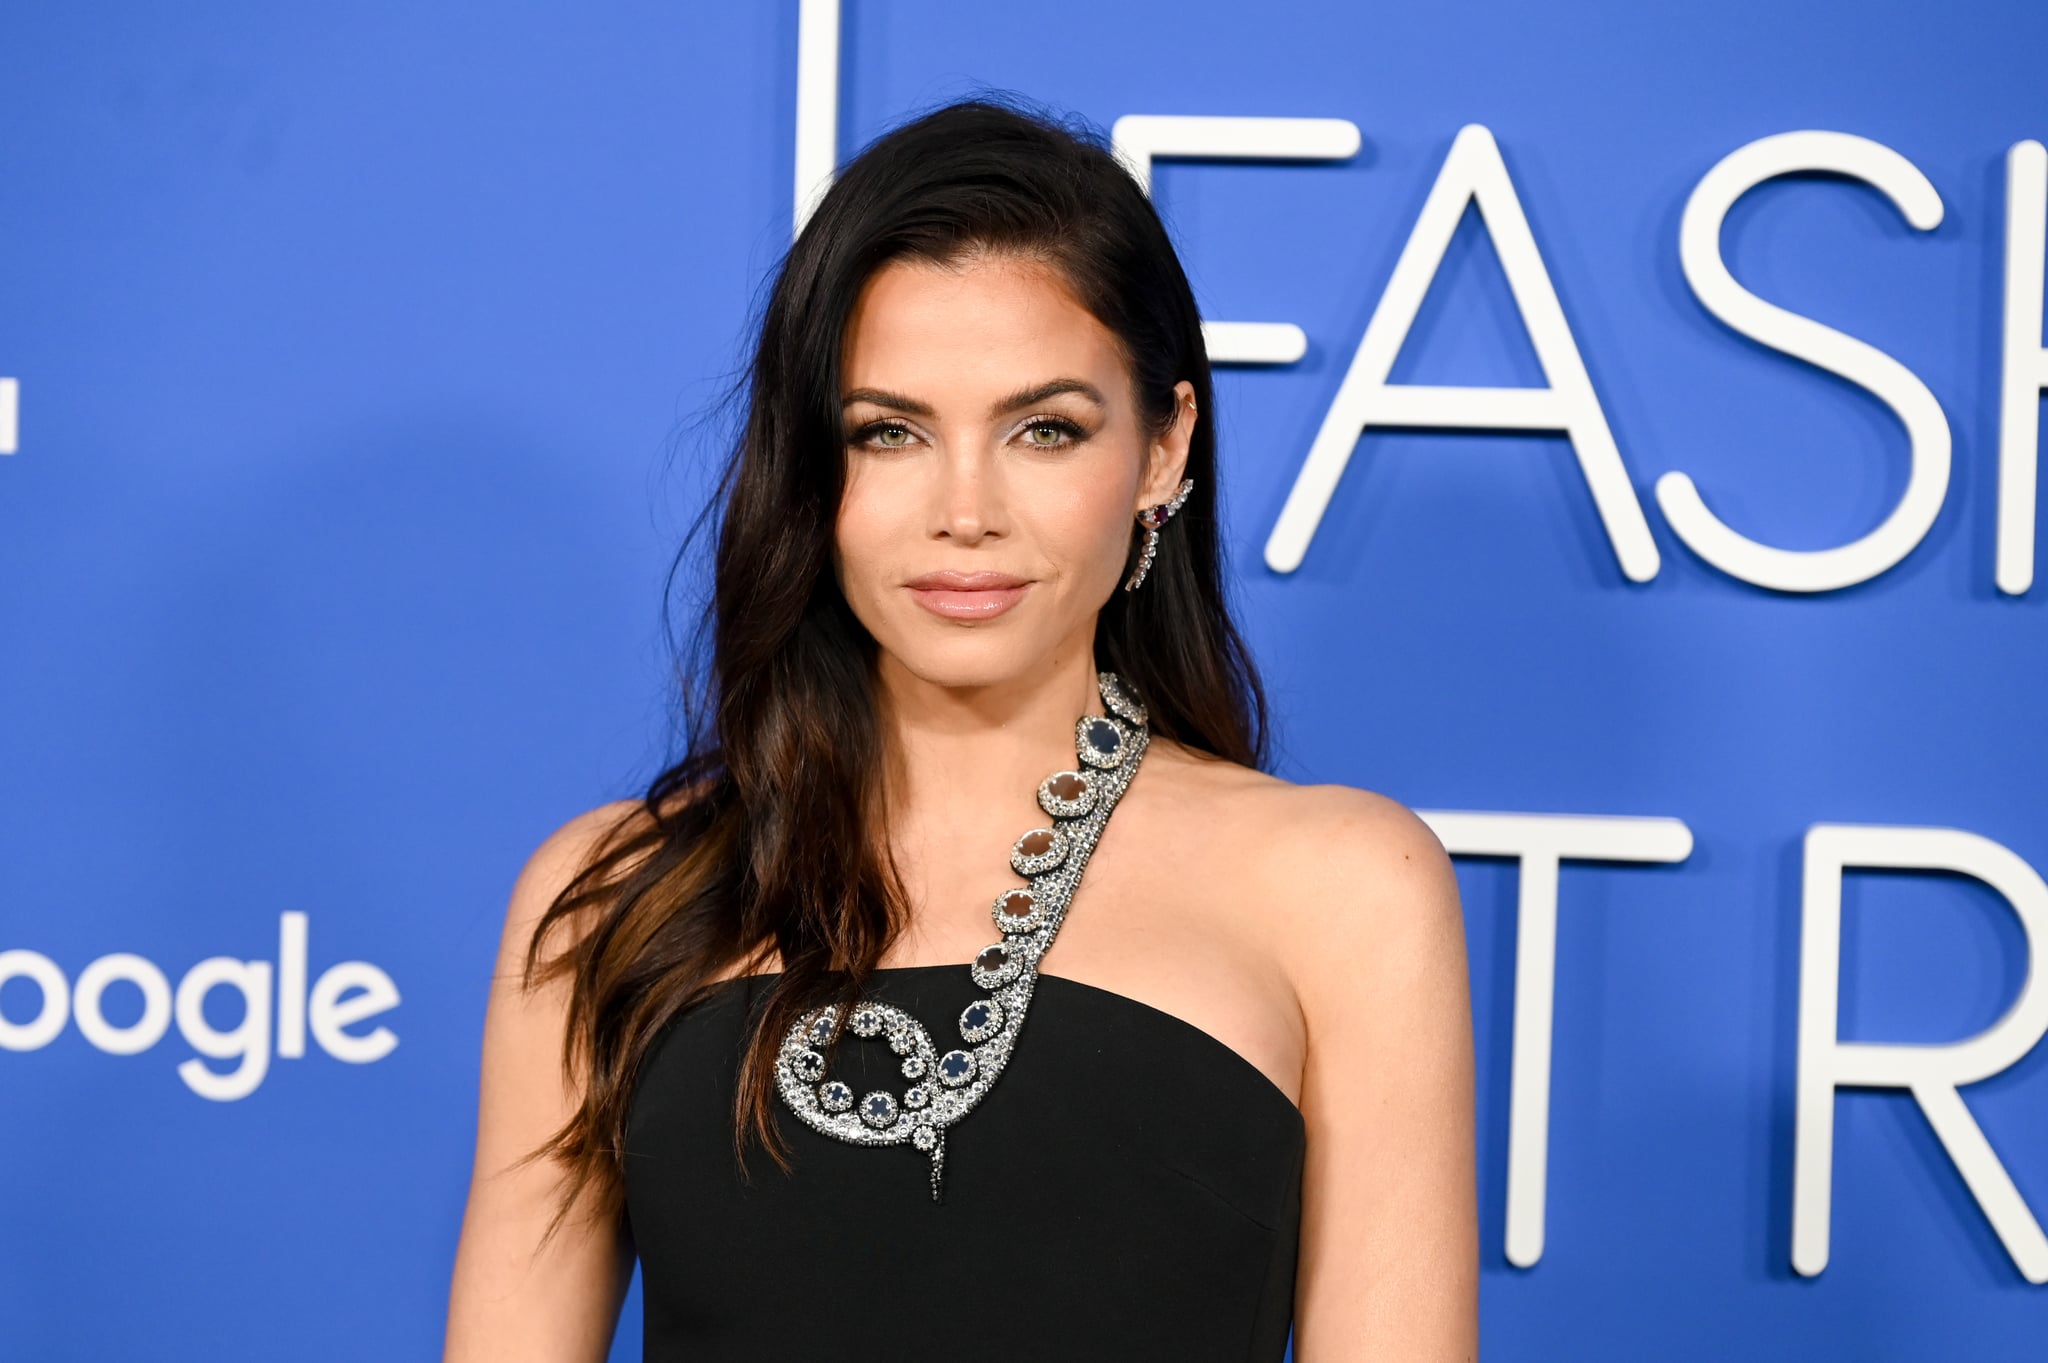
(1389,1264)
(512,1300)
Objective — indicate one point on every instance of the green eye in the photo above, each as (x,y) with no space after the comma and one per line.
(1051,434)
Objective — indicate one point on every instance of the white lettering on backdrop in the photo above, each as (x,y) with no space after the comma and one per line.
(2026,363)
(1539,843)
(1930,1072)
(1140,139)
(1699,253)
(344,994)
(1473,173)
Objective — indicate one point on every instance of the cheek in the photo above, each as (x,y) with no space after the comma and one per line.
(864,531)
(1084,522)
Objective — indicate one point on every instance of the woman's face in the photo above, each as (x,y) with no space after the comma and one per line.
(995,466)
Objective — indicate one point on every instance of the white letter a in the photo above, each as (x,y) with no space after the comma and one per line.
(1473,172)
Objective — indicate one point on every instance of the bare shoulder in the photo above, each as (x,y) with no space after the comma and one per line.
(1372,850)
(1327,867)
(1372,898)
(1304,838)
(559,858)
(567,850)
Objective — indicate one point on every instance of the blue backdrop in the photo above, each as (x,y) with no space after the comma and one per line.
(358,349)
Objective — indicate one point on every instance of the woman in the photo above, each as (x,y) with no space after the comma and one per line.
(759,1029)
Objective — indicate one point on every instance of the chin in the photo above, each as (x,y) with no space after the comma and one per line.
(970,657)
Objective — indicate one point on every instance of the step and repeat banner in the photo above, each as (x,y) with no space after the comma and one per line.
(1629,415)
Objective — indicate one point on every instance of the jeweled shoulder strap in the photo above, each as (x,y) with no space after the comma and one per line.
(943,1088)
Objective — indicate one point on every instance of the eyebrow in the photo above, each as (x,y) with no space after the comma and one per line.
(1023,397)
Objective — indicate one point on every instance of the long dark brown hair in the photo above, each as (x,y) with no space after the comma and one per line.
(767,839)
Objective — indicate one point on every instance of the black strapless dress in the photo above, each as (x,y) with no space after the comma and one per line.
(1130,1189)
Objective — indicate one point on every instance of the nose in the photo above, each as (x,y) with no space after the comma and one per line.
(967,496)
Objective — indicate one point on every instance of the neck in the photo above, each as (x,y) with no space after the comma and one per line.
(958,751)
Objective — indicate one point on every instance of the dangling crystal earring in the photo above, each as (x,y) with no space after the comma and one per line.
(1152,517)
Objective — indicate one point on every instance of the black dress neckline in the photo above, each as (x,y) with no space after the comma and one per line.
(1231,1055)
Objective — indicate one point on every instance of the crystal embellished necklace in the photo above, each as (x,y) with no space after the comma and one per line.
(946,1087)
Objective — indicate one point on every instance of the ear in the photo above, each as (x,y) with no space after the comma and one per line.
(1167,458)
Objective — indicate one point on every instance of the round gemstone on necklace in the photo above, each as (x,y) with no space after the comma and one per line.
(834,1096)
(878,1108)
(1065,794)
(981,1020)
(1018,910)
(808,1064)
(821,1029)
(902,1041)
(866,1021)
(916,1096)
(913,1067)
(1098,741)
(1039,850)
(956,1068)
(996,964)
(924,1136)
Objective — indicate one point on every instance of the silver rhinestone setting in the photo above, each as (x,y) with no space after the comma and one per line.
(1007,922)
(1100,742)
(1038,863)
(980,1020)
(1061,807)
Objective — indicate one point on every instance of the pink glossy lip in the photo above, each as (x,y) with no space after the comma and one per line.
(967,596)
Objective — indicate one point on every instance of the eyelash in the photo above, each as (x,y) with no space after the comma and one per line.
(1075,435)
